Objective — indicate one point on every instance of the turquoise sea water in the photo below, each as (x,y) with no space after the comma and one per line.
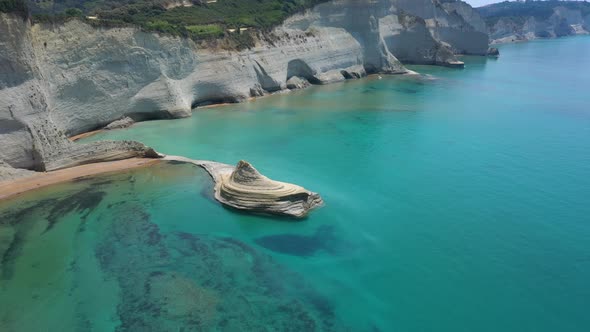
(455,202)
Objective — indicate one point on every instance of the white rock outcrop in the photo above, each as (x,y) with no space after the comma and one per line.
(242,187)
(64,79)
(7,172)
(452,22)
(563,22)
(246,189)
(30,136)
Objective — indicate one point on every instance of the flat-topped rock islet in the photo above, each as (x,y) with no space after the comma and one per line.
(242,187)
(246,189)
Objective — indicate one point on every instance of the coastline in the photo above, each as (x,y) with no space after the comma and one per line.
(277,198)
(174,76)
(86,134)
(17,187)
(408,73)
(501,41)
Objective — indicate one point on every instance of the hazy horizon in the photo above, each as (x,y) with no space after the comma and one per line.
(479,3)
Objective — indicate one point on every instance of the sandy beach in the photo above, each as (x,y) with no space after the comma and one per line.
(39,180)
(84,135)
(94,132)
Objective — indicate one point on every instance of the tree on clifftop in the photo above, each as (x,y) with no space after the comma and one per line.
(74,12)
(14,6)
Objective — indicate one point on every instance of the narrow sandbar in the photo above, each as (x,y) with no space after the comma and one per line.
(86,134)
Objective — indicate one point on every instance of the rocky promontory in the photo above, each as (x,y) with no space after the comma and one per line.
(246,189)
(243,188)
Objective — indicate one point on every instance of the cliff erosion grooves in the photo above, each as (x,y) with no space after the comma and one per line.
(66,79)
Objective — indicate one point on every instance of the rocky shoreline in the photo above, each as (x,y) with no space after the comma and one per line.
(520,22)
(60,80)
(66,79)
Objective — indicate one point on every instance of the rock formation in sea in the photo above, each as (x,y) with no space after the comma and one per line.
(62,79)
(246,189)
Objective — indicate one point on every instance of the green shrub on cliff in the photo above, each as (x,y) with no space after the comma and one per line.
(161,26)
(73,12)
(205,31)
(259,14)
(14,6)
(196,19)
(149,14)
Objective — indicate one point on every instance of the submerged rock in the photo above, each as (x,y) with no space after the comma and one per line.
(172,281)
(300,245)
(181,298)
(246,189)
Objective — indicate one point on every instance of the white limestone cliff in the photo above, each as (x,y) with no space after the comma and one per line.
(452,22)
(64,79)
(563,22)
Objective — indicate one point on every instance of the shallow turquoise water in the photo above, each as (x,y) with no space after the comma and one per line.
(455,202)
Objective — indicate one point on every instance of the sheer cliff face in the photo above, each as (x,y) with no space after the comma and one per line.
(563,22)
(66,79)
(30,136)
(22,99)
(453,22)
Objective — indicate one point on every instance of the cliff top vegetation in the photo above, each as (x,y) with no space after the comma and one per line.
(197,19)
(14,6)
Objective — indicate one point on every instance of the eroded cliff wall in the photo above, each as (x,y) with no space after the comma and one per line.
(61,80)
(30,137)
(452,22)
(562,22)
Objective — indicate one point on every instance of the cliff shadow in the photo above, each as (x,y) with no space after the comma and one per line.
(301,69)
